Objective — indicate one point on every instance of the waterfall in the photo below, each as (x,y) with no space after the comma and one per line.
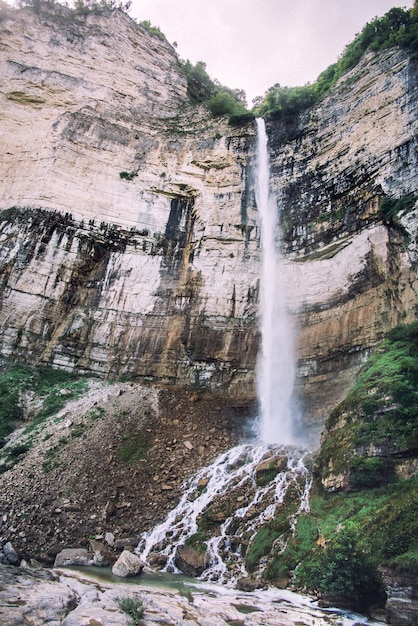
(229,501)
(225,504)
(276,366)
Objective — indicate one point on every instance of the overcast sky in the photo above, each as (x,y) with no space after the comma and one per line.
(253,44)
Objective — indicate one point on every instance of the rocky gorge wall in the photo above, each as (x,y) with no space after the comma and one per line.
(351,274)
(129,231)
(129,240)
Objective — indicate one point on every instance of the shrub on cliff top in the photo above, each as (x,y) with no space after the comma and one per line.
(220,100)
(399,27)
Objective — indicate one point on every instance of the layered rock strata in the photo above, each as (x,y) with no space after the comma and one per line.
(128,236)
(351,276)
(129,232)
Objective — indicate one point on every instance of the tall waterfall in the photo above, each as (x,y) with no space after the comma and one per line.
(226,503)
(276,366)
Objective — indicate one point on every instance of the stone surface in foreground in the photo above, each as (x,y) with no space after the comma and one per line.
(66,598)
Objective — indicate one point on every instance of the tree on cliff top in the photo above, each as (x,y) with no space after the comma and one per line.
(80,6)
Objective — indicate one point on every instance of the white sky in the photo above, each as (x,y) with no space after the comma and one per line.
(253,44)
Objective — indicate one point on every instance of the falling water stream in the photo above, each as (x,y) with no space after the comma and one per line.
(228,502)
(276,366)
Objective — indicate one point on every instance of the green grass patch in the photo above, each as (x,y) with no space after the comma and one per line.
(361,531)
(132,607)
(380,410)
(298,547)
(133,449)
(47,388)
(52,458)
(197,542)
(342,569)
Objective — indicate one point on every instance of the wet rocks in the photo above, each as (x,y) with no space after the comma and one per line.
(269,468)
(191,561)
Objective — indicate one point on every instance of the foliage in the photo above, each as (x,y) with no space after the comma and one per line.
(154,30)
(342,569)
(361,531)
(128,175)
(376,521)
(381,410)
(81,7)
(133,449)
(278,528)
(392,207)
(53,387)
(286,102)
(399,27)
(221,100)
(369,472)
(200,86)
(198,541)
(297,548)
(132,607)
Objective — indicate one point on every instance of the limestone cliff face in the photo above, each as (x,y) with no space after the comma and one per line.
(350,276)
(128,236)
(129,232)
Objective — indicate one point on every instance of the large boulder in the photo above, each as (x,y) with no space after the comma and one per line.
(10,555)
(128,564)
(191,561)
(73,556)
(101,555)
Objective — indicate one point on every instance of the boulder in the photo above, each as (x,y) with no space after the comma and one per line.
(73,556)
(156,560)
(191,561)
(101,555)
(128,564)
(247,584)
(268,469)
(125,542)
(10,555)
(110,539)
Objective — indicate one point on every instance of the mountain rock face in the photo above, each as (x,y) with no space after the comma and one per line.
(351,275)
(128,241)
(129,229)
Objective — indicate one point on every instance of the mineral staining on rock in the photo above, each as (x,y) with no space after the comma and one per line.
(130,245)
(145,256)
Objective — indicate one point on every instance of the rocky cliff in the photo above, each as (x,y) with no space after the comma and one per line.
(129,231)
(128,237)
(351,273)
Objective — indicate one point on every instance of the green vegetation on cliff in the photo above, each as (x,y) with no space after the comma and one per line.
(399,27)
(364,506)
(220,100)
(20,386)
(378,420)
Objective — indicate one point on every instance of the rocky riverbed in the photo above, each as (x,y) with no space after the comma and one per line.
(59,597)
